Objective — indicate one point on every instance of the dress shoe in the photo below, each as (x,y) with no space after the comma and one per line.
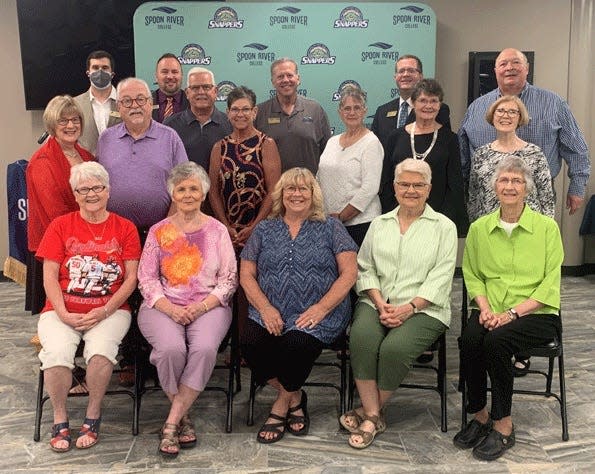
(472,434)
(493,446)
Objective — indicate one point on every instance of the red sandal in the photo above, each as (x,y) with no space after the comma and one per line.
(60,432)
(90,429)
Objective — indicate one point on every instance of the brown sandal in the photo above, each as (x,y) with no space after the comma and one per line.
(380,426)
(367,436)
(187,431)
(169,439)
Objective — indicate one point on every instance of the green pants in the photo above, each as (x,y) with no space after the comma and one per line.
(385,354)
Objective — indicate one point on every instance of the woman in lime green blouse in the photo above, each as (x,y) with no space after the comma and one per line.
(511,267)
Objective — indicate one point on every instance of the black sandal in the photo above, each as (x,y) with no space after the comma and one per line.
(272,428)
(522,369)
(303,419)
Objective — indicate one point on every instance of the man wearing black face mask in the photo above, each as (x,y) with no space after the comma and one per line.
(99,102)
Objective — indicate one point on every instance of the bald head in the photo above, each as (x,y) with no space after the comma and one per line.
(511,69)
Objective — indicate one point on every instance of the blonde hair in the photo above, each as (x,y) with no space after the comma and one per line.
(57,108)
(524,114)
(297,177)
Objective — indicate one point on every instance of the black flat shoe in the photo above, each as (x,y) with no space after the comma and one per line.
(294,419)
(472,434)
(493,446)
(425,357)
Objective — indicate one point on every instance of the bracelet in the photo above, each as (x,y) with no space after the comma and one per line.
(413,306)
(205,306)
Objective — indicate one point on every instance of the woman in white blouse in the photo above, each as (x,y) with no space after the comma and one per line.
(350,168)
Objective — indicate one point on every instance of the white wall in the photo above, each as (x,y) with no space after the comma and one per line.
(559,31)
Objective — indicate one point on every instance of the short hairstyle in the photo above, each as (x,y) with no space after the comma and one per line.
(297,177)
(414,166)
(168,55)
(411,56)
(241,92)
(514,164)
(430,87)
(100,54)
(188,170)
(129,80)
(88,170)
(276,62)
(200,70)
(57,108)
(355,92)
(524,114)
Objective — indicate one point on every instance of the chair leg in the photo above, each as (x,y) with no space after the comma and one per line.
(350,389)
(550,376)
(342,393)
(563,412)
(230,393)
(250,421)
(136,396)
(39,407)
(442,383)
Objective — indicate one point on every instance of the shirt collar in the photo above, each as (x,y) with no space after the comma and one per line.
(527,85)
(112,95)
(149,133)
(525,221)
(161,97)
(428,213)
(297,107)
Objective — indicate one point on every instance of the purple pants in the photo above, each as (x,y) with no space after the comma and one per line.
(184,354)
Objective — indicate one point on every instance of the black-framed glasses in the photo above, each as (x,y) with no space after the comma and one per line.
(128,101)
(84,191)
(509,112)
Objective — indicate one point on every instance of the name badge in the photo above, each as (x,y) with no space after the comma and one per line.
(156,107)
(114,113)
(274,120)
(392,113)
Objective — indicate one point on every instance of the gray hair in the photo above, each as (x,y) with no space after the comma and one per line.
(514,164)
(130,80)
(354,92)
(200,70)
(188,170)
(414,166)
(88,170)
(276,62)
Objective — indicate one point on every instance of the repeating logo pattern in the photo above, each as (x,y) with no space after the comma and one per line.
(226,17)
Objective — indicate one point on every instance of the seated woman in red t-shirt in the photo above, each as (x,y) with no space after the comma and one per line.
(90,258)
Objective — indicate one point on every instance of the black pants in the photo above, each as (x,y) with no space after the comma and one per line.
(486,352)
(288,357)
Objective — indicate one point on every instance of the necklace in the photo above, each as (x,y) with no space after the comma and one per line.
(345,141)
(421,156)
(97,237)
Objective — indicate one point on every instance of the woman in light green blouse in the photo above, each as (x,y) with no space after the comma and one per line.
(406,264)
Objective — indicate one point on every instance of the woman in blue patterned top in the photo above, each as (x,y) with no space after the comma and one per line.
(297,269)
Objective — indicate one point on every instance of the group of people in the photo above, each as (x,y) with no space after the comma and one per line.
(305,218)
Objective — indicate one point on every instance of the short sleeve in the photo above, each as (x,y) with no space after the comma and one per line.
(342,241)
(253,245)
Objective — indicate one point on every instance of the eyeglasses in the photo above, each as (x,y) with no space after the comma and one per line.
(84,191)
(509,181)
(297,189)
(358,109)
(243,110)
(201,87)
(416,186)
(140,101)
(509,112)
(64,121)
(407,70)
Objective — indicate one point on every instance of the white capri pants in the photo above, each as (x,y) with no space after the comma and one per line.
(60,341)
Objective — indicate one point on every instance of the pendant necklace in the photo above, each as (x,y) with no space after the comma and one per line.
(97,237)
(421,156)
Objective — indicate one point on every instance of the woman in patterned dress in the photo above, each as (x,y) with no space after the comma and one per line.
(297,269)
(244,168)
(187,276)
(506,115)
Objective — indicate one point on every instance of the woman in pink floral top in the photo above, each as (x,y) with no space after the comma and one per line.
(187,276)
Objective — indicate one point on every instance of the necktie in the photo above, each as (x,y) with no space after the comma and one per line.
(403,113)
(169,107)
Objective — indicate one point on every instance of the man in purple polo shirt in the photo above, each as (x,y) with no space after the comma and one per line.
(138,155)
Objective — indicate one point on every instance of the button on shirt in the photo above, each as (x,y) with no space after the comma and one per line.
(101,111)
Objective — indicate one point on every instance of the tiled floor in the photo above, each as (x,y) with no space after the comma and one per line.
(412,443)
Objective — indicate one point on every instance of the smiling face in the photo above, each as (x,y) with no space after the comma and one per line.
(241,114)
(352,112)
(506,117)
(407,75)
(297,199)
(136,116)
(201,92)
(426,106)
(68,129)
(511,188)
(188,195)
(92,202)
(511,71)
(411,191)
(285,79)
(169,76)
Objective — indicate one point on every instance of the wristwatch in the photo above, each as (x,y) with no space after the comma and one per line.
(413,306)
(512,314)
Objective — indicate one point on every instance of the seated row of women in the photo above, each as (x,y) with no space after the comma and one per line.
(297,269)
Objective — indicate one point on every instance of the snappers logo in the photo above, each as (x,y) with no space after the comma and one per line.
(255,58)
(194,54)
(318,53)
(342,86)
(288,18)
(226,17)
(223,90)
(379,57)
(166,20)
(351,17)
(411,17)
